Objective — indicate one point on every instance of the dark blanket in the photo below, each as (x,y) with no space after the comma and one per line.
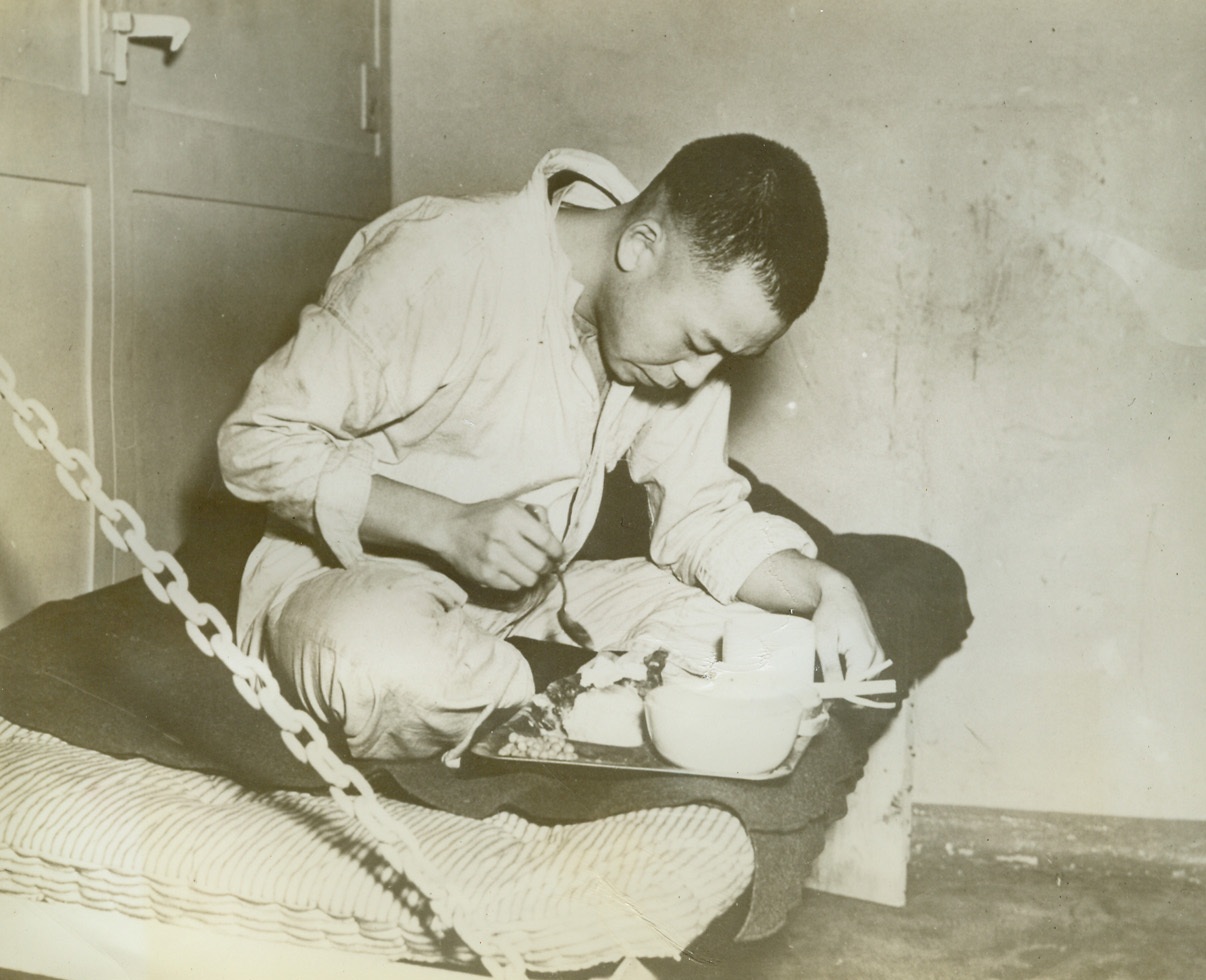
(114,671)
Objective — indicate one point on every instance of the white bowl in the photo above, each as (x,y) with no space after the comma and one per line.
(706,730)
(768,680)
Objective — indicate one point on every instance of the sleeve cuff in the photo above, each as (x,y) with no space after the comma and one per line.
(747,545)
(341,500)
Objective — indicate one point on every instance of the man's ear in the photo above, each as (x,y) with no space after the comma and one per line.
(640,242)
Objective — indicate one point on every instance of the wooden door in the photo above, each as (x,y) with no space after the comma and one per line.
(54,259)
(204,200)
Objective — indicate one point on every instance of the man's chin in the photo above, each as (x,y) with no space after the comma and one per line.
(673,390)
(635,377)
(628,374)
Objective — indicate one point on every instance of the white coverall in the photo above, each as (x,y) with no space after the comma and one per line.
(444,354)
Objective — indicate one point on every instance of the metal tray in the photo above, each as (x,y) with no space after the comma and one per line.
(640,758)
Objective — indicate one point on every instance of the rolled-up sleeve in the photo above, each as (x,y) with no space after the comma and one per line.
(294,444)
(703,528)
(383,340)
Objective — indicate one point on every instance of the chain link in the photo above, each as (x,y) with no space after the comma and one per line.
(348,787)
(64,471)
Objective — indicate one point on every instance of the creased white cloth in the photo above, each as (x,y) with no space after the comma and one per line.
(443,355)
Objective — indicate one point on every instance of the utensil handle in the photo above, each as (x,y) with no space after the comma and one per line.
(845,689)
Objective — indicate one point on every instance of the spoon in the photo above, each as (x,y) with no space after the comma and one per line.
(570,626)
(573,629)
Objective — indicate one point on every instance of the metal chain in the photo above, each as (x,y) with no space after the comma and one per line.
(212,635)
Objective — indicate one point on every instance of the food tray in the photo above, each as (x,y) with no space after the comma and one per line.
(640,758)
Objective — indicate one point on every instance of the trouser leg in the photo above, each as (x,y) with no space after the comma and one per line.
(388,653)
(631,604)
(914,592)
(915,595)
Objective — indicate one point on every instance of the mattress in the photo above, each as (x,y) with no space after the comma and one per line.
(199,850)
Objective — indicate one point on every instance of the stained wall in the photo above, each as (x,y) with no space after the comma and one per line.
(1008,355)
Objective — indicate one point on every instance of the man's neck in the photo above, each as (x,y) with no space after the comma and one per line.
(588,236)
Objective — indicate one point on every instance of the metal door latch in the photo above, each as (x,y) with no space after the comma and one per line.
(119,26)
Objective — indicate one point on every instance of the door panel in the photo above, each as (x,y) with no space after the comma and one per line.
(159,238)
(45,536)
(243,174)
(52,238)
(44,43)
(198,158)
(292,69)
(46,133)
(216,288)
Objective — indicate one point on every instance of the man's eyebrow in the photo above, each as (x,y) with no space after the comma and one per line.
(717,346)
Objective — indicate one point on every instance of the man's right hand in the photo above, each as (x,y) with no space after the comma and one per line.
(500,544)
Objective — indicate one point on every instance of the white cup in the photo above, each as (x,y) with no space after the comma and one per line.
(766,653)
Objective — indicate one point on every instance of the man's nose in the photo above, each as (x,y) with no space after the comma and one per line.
(694,371)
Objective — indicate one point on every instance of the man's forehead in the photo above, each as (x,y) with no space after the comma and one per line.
(743,320)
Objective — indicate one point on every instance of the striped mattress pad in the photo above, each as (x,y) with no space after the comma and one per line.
(193,849)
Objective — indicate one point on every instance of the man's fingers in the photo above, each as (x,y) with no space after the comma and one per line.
(537,511)
(864,655)
(503,545)
(829,655)
(530,557)
(514,560)
(540,534)
(508,573)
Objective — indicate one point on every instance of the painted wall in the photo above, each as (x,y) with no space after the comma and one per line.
(1007,357)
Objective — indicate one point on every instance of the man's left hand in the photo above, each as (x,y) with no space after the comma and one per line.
(846,642)
(789,582)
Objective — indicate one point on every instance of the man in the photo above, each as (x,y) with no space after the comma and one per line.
(435,439)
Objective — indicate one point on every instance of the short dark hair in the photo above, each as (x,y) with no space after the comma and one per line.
(743,198)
